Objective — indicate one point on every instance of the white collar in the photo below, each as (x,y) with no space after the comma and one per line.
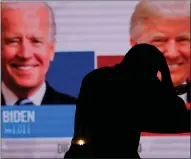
(183,96)
(10,98)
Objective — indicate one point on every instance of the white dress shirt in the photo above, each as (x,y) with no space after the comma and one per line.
(10,98)
(184,97)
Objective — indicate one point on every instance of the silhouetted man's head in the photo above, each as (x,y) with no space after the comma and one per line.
(144,59)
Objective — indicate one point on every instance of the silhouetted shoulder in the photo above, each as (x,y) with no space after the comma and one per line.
(98,75)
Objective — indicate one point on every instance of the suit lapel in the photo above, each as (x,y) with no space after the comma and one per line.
(49,95)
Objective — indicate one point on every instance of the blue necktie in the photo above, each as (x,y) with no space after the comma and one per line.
(24,102)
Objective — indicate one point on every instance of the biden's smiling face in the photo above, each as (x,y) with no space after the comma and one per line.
(26,48)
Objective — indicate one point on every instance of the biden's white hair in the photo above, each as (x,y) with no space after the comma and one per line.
(29,5)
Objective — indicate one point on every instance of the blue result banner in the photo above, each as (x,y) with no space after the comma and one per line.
(37,121)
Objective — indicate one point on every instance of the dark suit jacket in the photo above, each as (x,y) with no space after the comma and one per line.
(111,113)
(52,97)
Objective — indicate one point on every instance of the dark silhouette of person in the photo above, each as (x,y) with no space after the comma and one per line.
(117,103)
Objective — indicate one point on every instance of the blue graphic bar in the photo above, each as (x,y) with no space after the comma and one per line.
(37,121)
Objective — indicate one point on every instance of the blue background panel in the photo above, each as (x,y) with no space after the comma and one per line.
(68,70)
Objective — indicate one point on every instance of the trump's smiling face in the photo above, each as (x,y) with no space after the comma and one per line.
(172,37)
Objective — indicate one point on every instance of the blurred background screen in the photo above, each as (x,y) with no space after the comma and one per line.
(90,34)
